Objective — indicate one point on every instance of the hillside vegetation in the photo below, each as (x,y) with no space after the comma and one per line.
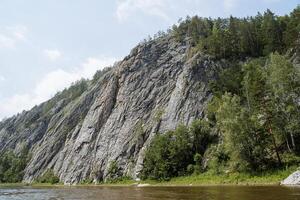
(238,38)
(252,124)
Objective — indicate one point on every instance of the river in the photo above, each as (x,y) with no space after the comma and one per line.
(152,193)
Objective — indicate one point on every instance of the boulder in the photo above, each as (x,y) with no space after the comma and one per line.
(293,179)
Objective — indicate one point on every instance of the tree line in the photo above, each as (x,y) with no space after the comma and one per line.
(241,37)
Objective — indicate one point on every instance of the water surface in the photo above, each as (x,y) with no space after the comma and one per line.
(152,193)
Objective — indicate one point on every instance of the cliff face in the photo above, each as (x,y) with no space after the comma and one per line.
(158,86)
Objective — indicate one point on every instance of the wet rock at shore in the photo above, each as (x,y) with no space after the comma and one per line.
(293,179)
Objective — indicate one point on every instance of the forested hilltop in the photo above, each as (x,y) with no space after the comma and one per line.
(210,96)
(252,124)
(238,38)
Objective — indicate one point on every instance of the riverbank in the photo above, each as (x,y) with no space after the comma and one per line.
(267,178)
(204,179)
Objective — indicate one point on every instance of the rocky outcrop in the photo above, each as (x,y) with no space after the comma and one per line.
(158,86)
(293,179)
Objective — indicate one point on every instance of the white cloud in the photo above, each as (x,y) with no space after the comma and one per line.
(10,36)
(50,84)
(126,8)
(6,42)
(230,4)
(19,32)
(2,78)
(272,1)
(52,54)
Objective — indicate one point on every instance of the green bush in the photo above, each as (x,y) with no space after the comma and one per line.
(177,152)
(100,73)
(113,172)
(12,166)
(48,177)
(86,181)
(120,180)
(190,169)
(197,159)
(216,159)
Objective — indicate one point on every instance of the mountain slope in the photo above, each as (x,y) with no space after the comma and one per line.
(155,88)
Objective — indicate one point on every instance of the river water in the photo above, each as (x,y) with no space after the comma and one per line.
(152,193)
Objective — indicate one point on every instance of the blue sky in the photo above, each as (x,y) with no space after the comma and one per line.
(45,45)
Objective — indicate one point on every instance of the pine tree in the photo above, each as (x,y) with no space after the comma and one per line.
(293,28)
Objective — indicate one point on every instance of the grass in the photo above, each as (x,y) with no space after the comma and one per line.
(268,178)
(13,185)
(210,178)
(207,178)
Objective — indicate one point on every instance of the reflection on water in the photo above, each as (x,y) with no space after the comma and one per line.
(152,193)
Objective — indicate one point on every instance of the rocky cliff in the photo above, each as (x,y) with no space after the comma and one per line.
(152,90)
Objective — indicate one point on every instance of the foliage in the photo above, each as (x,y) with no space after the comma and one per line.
(86,181)
(71,93)
(245,142)
(12,166)
(100,73)
(120,180)
(240,38)
(112,171)
(262,122)
(75,90)
(243,178)
(158,114)
(229,80)
(175,152)
(218,159)
(48,177)
(202,136)
(168,155)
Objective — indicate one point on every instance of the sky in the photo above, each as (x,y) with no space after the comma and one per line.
(45,45)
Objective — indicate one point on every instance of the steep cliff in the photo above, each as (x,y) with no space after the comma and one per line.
(152,90)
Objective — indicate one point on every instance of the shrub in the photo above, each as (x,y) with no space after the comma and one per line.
(168,155)
(48,177)
(112,171)
(86,181)
(12,166)
(190,169)
(122,179)
(197,159)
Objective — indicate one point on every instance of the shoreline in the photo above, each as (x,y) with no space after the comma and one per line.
(13,185)
(269,178)
(148,184)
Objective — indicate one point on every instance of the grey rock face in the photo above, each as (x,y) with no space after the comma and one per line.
(293,179)
(158,86)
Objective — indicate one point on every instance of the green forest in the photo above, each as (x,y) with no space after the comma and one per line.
(236,38)
(252,124)
(12,166)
